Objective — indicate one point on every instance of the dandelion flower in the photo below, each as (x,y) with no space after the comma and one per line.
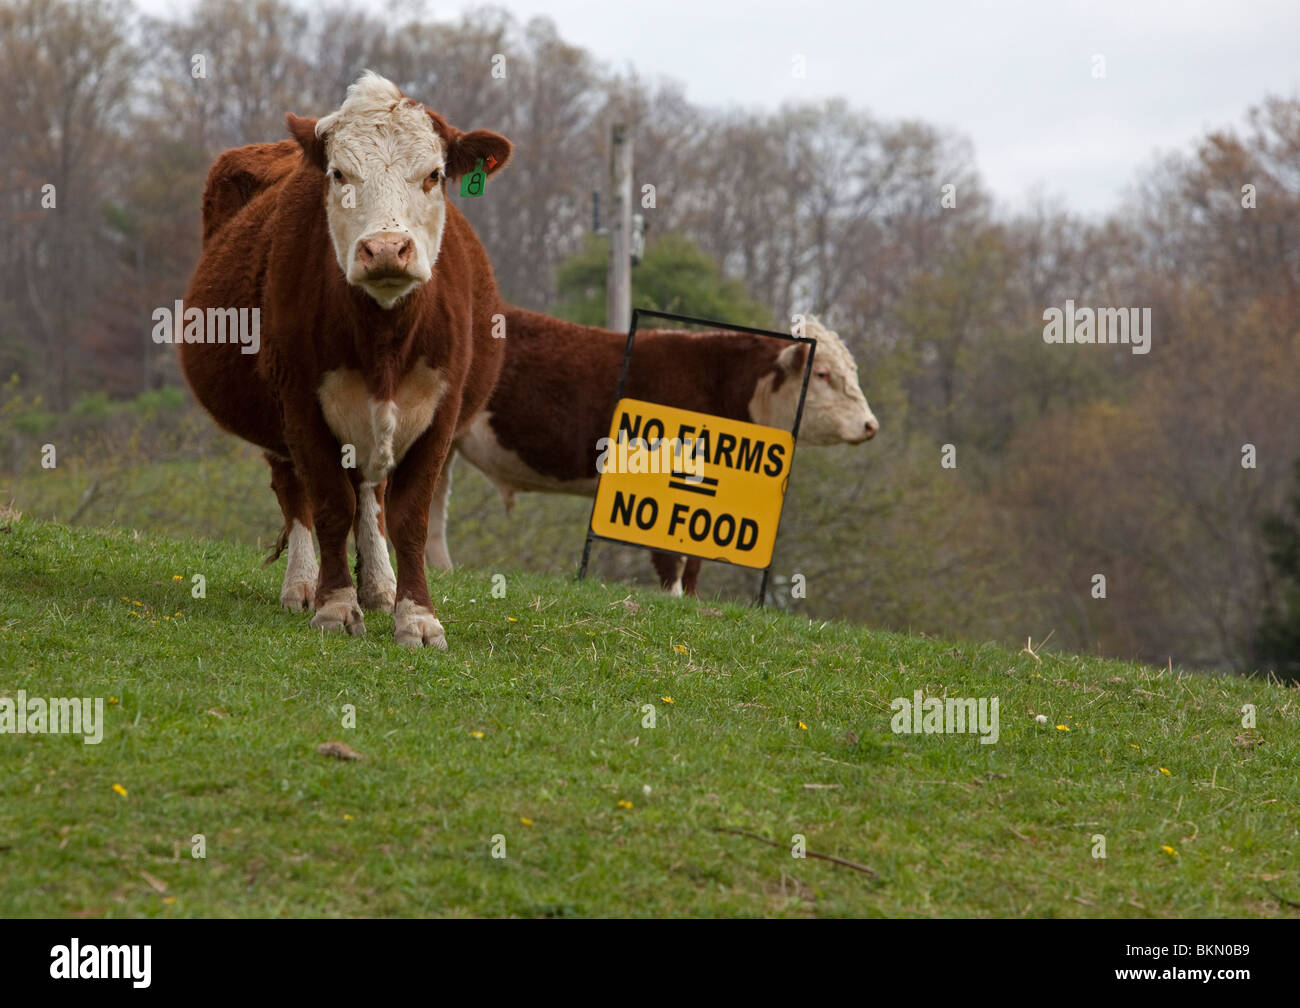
(120,790)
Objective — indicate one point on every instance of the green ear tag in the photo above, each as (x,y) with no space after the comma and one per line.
(472,184)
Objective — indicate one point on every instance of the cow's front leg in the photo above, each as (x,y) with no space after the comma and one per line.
(319,463)
(410,491)
(376,582)
(691,575)
(670,567)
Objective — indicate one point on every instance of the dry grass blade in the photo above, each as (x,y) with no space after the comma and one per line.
(810,853)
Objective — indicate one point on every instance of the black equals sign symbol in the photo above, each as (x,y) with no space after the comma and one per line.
(701,487)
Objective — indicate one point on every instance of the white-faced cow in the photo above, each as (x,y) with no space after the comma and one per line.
(555,399)
(377,304)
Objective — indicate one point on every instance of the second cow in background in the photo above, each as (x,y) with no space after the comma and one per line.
(555,397)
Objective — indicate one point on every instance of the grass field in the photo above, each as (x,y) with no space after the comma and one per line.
(533,729)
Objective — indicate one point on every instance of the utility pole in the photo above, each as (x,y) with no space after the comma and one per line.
(618,280)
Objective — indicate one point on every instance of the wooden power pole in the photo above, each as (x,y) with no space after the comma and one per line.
(618,281)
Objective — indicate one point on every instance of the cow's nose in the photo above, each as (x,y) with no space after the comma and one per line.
(386,252)
(872,426)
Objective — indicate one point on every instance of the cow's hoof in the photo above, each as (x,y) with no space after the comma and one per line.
(297,595)
(378,597)
(415,626)
(339,611)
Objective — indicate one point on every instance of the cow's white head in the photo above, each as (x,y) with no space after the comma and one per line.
(835,410)
(387,159)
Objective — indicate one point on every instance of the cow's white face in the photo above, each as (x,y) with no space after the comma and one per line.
(385,204)
(834,411)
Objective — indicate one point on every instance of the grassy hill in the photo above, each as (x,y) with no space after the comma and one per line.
(534,729)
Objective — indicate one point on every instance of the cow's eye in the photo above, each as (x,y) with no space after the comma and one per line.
(432,179)
(824,375)
(336,175)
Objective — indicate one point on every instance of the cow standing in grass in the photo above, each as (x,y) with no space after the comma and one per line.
(377,304)
(555,399)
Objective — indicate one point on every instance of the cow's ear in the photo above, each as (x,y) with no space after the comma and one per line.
(465,150)
(792,359)
(304,131)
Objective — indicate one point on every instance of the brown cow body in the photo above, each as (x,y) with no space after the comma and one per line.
(555,396)
(338,369)
(555,399)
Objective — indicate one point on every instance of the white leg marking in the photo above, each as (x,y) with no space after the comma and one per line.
(340,610)
(301,570)
(415,626)
(378,589)
(435,547)
(676,590)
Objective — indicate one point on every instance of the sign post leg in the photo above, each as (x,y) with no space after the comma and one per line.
(586,553)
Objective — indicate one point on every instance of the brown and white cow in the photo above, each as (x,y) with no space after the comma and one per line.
(555,399)
(377,304)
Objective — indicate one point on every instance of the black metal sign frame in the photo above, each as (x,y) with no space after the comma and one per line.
(637,314)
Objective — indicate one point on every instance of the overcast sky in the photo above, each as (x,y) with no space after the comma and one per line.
(1016,78)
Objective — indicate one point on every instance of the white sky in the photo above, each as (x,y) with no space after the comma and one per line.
(1015,77)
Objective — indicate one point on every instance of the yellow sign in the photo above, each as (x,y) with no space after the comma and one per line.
(686,482)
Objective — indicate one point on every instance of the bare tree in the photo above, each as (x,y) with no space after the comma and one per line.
(66,72)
